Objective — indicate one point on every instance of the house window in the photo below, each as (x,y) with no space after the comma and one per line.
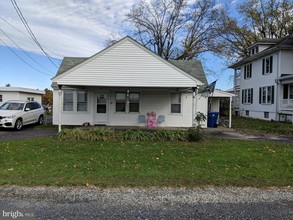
(266,95)
(30,98)
(288,91)
(247,96)
(267,65)
(266,114)
(81,101)
(175,100)
(1,98)
(247,113)
(134,102)
(247,71)
(68,101)
(101,103)
(75,100)
(120,101)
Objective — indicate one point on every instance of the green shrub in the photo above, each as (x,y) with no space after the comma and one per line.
(102,134)
(195,134)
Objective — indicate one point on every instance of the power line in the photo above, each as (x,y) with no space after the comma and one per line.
(23,59)
(29,30)
(23,50)
(57,54)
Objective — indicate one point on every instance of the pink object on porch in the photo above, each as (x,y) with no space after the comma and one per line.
(152,121)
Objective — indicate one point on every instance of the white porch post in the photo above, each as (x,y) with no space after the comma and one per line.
(230,112)
(60,108)
(193,105)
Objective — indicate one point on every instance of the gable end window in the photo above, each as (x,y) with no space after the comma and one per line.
(247,96)
(266,95)
(267,65)
(247,71)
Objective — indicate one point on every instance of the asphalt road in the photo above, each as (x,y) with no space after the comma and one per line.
(153,203)
(30,131)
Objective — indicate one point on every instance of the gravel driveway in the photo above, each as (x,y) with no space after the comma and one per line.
(152,203)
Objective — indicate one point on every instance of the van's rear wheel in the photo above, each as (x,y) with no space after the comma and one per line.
(18,124)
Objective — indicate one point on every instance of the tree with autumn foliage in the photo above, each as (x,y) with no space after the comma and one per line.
(47,98)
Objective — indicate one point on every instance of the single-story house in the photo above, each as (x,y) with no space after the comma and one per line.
(19,93)
(124,85)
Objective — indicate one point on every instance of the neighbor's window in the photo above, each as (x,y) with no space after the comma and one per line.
(1,98)
(81,101)
(134,102)
(288,91)
(267,65)
(247,113)
(68,101)
(175,100)
(30,98)
(247,96)
(266,95)
(247,71)
(120,101)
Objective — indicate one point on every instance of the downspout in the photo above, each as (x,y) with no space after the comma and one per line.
(60,107)
(193,105)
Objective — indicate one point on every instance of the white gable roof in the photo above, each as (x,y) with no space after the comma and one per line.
(126,64)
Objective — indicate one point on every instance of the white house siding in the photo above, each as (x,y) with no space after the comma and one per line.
(286,62)
(257,80)
(157,101)
(126,64)
(14,95)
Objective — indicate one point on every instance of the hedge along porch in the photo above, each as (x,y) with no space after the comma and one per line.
(122,82)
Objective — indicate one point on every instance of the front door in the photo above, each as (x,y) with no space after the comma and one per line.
(102,110)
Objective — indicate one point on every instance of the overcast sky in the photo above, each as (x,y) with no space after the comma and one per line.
(64,28)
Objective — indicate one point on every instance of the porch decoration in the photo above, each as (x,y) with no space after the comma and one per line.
(152,120)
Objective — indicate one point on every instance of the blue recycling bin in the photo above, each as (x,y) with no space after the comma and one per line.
(212,119)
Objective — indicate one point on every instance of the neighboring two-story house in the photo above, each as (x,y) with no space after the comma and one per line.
(264,80)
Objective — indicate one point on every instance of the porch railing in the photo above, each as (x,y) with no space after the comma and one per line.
(286,104)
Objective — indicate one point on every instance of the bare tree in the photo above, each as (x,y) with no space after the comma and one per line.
(176,29)
(258,19)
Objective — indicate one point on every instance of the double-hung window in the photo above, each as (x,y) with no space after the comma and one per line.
(127,101)
(68,101)
(1,98)
(175,100)
(75,100)
(81,101)
(288,91)
(266,95)
(133,102)
(247,71)
(267,65)
(247,96)
(120,101)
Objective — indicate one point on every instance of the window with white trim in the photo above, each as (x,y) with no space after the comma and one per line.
(288,91)
(247,71)
(75,100)
(81,101)
(120,101)
(175,100)
(267,65)
(266,95)
(247,96)
(134,101)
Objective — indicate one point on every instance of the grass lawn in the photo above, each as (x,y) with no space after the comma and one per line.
(218,162)
(257,126)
